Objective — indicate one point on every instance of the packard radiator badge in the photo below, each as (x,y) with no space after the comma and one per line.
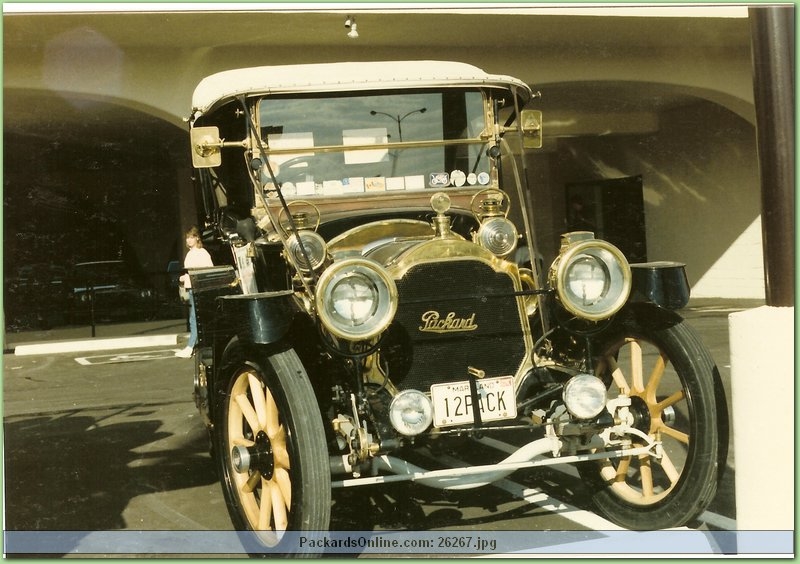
(432,322)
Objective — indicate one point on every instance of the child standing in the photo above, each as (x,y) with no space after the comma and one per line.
(196,257)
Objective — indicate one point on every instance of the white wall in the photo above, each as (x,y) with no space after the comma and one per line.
(739,272)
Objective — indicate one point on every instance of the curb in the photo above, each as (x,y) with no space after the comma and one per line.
(95,345)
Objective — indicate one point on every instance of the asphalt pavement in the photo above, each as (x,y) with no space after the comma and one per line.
(101,433)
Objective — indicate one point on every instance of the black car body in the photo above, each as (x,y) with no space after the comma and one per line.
(365,218)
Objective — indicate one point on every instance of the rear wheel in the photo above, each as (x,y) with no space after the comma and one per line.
(669,377)
(272,454)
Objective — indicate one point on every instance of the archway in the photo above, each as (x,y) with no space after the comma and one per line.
(89,180)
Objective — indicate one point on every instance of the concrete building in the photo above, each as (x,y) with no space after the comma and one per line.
(96,151)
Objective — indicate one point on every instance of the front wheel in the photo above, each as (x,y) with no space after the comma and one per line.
(669,376)
(271,448)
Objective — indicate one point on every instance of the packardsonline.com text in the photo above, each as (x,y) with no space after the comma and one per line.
(442,543)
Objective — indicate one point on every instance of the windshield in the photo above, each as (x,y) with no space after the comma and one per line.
(375,142)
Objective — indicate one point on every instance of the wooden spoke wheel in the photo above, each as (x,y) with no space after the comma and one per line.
(669,377)
(272,453)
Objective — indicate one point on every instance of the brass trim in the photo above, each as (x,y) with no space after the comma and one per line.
(558,272)
(363,265)
(371,146)
(527,277)
(369,233)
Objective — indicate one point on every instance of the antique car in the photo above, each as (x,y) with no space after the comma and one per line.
(374,298)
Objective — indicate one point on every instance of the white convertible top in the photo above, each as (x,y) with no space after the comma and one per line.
(337,77)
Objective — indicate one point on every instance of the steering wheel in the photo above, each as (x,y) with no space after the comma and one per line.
(324,166)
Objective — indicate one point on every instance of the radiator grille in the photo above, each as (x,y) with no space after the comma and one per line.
(475,313)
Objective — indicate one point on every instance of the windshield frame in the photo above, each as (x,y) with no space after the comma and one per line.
(473,117)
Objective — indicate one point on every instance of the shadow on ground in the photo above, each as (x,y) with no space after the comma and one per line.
(52,483)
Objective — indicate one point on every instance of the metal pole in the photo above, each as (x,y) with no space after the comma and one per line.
(91,308)
(772,36)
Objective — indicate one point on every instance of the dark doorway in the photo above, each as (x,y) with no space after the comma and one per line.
(614,210)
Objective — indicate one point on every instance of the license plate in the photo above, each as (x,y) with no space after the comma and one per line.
(452,402)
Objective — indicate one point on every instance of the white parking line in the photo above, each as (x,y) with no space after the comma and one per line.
(126,357)
(547,502)
(538,497)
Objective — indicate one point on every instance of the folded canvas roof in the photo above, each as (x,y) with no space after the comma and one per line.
(333,77)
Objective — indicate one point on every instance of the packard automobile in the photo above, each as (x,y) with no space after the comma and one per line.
(380,298)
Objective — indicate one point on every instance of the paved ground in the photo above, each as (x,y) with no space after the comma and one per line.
(110,440)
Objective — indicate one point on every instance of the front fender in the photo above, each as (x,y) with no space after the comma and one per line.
(647,314)
(262,318)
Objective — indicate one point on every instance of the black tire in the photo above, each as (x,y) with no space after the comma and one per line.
(266,404)
(671,378)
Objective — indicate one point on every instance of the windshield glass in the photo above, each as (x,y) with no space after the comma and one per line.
(374,125)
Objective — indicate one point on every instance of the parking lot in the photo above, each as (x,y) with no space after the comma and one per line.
(110,440)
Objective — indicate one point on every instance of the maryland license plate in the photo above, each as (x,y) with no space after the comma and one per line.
(452,402)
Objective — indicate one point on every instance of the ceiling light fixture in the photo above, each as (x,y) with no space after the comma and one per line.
(350,24)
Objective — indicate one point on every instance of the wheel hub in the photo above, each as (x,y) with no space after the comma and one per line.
(258,457)
(641,414)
